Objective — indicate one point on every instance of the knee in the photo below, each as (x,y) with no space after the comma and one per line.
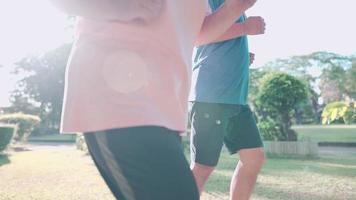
(201,170)
(253,162)
(260,159)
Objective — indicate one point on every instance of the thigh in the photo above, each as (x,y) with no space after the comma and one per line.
(207,133)
(144,163)
(241,130)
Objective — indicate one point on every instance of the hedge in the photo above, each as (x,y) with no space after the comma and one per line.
(26,124)
(6,135)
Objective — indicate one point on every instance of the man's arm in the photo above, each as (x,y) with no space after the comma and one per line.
(217,23)
(252,26)
(112,10)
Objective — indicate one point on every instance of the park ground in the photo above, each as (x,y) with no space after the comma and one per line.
(60,172)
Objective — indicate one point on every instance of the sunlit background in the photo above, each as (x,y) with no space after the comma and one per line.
(27,28)
(310,105)
(294,27)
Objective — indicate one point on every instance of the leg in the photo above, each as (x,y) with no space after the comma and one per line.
(143,163)
(201,174)
(246,172)
(206,140)
(243,136)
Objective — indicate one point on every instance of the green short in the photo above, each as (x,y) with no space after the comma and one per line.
(213,125)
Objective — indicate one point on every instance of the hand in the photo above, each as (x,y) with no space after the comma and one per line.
(254,26)
(252,58)
(241,4)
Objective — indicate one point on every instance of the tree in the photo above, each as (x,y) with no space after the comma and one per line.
(350,83)
(255,82)
(339,112)
(316,66)
(40,92)
(329,77)
(280,94)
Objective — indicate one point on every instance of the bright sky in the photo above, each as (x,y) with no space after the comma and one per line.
(294,27)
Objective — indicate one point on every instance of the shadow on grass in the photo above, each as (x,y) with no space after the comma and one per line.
(338,167)
(219,183)
(344,166)
(4,159)
(332,166)
(268,192)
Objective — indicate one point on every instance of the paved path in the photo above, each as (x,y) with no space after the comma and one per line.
(337,151)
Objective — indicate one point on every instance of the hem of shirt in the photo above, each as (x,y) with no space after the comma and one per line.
(180,131)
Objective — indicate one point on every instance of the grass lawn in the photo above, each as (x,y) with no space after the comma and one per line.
(337,133)
(326,178)
(64,173)
(54,138)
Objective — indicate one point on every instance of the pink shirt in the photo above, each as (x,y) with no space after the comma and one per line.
(123,75)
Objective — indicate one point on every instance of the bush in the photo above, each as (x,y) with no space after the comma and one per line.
(339,113)
(270,130)
(25,124)
(278,98)
(6,135)
(350,115)
(80,143)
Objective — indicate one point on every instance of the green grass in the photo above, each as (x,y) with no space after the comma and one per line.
(327,178)
(327,133)
(53,138)
(65,173)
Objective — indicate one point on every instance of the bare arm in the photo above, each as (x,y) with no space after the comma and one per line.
(217,23)
(121,10)
(236,30)
(252,26)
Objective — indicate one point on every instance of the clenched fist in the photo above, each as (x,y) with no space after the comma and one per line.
(254,26)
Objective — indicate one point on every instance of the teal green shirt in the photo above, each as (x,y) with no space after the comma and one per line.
(221,70)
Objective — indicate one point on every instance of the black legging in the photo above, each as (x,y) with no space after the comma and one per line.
(143,163)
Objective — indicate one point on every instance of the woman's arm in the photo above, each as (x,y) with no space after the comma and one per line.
(112,10)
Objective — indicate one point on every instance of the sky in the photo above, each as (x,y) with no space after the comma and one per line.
(294,27)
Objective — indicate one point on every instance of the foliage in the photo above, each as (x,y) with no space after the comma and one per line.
(270,130)
(255,82)
(40,92)
(280,94)
(350,82)
(308,111)
(6,135)
(339,112)
(26,124)
(339,83)
(80,143)
(309,64)
(333,74)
